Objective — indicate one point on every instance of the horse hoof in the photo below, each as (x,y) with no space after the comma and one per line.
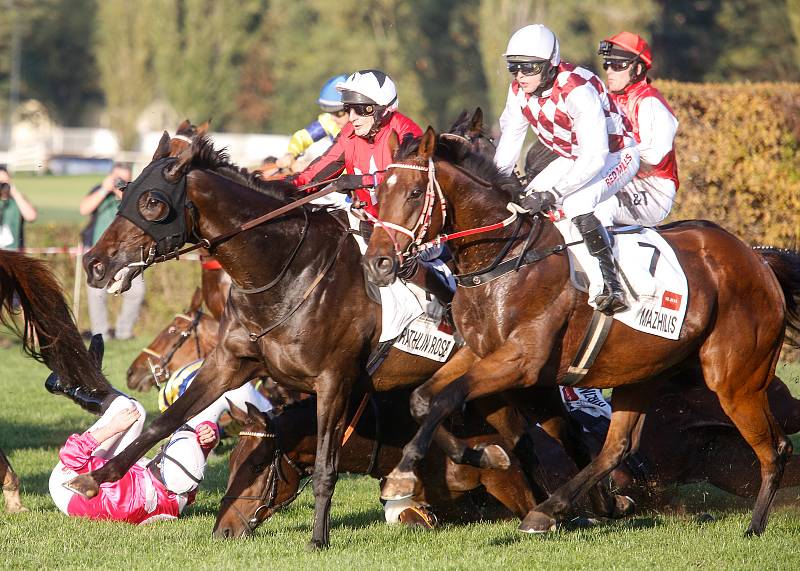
(399,486)
(493,457)
(753,531)
(537,522)
(83,485)
(316,545)
(623,506)
(419,516)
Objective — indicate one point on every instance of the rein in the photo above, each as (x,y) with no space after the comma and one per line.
(161,367)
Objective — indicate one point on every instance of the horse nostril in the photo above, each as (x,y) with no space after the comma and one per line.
(98,269)
(227,533)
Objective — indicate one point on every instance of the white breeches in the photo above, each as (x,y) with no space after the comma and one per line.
(646,201)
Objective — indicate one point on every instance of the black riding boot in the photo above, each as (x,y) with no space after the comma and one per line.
(598,242)
(95,402)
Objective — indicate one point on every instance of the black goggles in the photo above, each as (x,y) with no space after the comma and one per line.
(362,109)
(617,65)
(526,68)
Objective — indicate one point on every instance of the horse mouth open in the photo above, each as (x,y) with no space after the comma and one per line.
(121,281)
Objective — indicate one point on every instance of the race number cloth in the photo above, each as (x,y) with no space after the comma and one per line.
(654,282)
(587,400)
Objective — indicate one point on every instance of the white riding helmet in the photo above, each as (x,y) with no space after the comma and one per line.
(182,463)
(533,43)
(369,86)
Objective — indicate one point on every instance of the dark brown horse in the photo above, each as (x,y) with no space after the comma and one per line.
(523,329)
(190,335)
(48,334)
(298,311)
(276,452)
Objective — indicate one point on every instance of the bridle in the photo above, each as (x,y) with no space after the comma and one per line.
(418,232)
(160,369)
(275,475)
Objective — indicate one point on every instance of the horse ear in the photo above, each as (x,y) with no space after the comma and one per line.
(197,300)
(428,144)
(202,130)
(255,414)
(163,147)
(236,413)
(179,168)
(393,143)
(476,123)
(96,349)
(184,126)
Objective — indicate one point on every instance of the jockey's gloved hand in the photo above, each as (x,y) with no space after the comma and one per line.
(539,201)
(347,182)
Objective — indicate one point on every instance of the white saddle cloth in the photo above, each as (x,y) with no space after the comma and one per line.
(654,282)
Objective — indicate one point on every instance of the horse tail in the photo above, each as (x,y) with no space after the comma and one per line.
(48,332)
(785,264)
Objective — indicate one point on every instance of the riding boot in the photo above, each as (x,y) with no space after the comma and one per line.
(95,402)
(598,242)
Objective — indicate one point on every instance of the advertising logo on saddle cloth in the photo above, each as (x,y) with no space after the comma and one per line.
(412,316)
(654,282)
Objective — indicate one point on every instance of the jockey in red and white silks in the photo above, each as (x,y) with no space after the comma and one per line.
(648,198)
(572,114)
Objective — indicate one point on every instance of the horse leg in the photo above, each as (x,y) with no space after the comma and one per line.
(628,404)
(10,486)
(751,415)
(499,371)
(222,371)
(332,398)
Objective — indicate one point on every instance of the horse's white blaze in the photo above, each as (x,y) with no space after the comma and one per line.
(391,180)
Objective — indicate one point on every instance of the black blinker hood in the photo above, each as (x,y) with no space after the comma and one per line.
(169,233)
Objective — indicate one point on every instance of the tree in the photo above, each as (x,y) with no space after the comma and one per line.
(125,62)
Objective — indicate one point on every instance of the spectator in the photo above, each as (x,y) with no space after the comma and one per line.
(15,210)
(101,204)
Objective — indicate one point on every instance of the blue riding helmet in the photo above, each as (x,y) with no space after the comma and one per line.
(329,98)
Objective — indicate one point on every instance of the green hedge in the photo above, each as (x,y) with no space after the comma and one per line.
(737,150)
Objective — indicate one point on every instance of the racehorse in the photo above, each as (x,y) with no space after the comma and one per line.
(298,310)
(523,328)
(190,335)
(48,334)
(275,453)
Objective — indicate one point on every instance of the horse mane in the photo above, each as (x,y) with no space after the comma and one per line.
(205,156)
(458,153)
(48,333)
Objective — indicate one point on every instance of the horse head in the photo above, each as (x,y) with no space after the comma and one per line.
(189,336)
(470,129)
(263,478)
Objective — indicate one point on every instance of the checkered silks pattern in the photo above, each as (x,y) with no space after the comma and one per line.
(550,119)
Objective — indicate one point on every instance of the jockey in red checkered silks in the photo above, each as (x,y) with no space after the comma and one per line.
(648,198)
(572,114)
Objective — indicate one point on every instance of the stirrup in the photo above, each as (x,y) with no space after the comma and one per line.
(611,302)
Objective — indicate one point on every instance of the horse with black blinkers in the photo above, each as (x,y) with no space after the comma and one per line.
(523,328)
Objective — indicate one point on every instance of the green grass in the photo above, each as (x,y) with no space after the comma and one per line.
(34,424)
(56,197)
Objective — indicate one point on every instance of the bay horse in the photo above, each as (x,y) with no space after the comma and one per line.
(276,452)
(523,328)
(298,311)
(190,335)
(49,335)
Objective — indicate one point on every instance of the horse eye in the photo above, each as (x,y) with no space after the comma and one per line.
(152,202)
(416,193)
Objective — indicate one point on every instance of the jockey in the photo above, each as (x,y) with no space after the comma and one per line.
(370,99)
(571,113)
(328,124)
(648,198)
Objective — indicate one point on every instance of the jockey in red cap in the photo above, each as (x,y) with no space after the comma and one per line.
(648,198)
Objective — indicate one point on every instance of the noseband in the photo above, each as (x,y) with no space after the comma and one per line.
(161,367)
(271,487)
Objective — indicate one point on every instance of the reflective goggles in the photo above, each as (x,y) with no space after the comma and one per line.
(362,109)
(617,65)
(526,68)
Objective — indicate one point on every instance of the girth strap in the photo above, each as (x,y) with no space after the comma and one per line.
(589,348)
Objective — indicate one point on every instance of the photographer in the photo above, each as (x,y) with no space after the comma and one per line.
(101,204)
(15,210)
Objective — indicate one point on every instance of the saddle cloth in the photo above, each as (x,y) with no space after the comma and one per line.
(654,282)
(410,315)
